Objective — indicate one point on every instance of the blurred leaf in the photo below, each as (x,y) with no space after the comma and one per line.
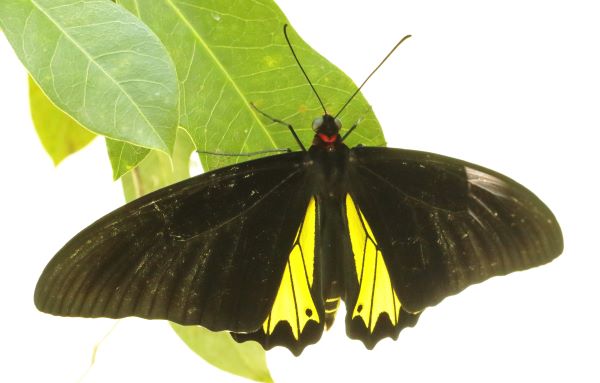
(158,170)
(99,64)
(60,134)
(219,349)
(230,54)
(124,156)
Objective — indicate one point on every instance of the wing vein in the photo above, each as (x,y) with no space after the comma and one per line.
(243,212)
(406,196)
(295,299)
(373,288)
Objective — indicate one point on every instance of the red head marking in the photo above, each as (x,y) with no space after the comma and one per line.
(328,139)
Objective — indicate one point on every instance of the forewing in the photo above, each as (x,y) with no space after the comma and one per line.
(210,250)
(444,224)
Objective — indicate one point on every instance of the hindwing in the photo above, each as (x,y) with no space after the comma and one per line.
(296,316)
(374,311)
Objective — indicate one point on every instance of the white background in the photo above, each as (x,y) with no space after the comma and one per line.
(511,85)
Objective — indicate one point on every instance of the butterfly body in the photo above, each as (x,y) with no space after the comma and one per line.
(330,178)
(267,249)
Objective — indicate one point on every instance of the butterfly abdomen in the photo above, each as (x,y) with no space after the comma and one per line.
(331,307)
(333,247)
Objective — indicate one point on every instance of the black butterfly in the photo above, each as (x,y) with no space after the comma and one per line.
(266,249)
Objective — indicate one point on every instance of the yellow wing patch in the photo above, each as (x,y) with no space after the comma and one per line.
(293,303)
(376,295)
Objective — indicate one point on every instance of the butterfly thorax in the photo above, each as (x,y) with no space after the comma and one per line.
(329,155)
(330,163)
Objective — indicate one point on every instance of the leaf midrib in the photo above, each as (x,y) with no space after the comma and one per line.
(91,59)
(221,68)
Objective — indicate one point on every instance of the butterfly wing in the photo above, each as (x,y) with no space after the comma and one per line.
(210,250)
(374,310)
(433,226)
(296,318)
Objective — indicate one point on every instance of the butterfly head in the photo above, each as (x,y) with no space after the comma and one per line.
(327,130)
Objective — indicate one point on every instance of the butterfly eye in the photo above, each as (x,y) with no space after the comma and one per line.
(317,122)
(338,123)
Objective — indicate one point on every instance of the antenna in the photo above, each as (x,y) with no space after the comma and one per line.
(369,76)
(302,69)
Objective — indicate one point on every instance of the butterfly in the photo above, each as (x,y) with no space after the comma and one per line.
(266,249)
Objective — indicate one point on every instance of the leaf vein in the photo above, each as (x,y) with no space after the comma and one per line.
(89,57)
(221,67)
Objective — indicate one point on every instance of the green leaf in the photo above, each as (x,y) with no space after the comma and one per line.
(219,349)
(60,134)
(231,54)
(99,64)
(124,156)
(158,170)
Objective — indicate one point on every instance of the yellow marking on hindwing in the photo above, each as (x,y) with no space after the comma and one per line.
(293,303)
(376,294)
